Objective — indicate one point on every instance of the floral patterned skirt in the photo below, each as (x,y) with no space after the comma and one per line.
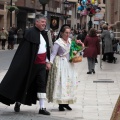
(62,82)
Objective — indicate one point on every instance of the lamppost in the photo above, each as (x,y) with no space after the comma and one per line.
(66,8)
(11,8)
(43,2)
(11,15)
(91,8)
(90,23)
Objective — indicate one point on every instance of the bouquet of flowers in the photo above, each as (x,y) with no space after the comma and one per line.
(76,46)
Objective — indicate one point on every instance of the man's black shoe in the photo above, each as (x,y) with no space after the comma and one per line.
(93,71)
(89,72)
(17,107)
(103,59)
(43,111)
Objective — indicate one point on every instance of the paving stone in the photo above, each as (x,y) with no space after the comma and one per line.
(95,101)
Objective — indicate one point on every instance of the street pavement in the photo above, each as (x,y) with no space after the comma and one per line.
(96,96)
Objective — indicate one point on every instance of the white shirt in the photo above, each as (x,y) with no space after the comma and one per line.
(42,45)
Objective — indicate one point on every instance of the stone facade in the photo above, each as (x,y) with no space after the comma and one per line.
(113,15)
(5,14)
(112,11)
(54,7)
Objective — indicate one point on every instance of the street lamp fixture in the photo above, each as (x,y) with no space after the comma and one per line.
(43,2)
(66,5)
(11,8)
(11,15)
(90,8)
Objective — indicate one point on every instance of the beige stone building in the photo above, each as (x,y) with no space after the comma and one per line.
(28,9)
(113,15)
(100,16)
(112,11)
(5,14)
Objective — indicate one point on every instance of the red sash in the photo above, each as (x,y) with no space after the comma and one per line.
(41,59)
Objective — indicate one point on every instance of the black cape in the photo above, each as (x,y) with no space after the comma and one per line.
(17,84)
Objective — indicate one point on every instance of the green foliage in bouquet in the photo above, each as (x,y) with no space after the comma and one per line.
(74,47)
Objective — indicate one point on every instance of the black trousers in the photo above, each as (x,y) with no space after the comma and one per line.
(39,75)
(109,56)
(19,40)
(3,42)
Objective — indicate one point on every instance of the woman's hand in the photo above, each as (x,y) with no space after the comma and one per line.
(79,42)
(74,52)
(48,65)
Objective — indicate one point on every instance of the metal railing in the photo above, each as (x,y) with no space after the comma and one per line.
(116,35)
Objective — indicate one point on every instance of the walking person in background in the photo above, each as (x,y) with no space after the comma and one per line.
(71,34)
(84,31)
(91,43)
(114,42)
(25,80)
(62,80)
(11,39)
(19,36)
(80,36)
(3,37)
(50,38)
(108,47)
(15,29)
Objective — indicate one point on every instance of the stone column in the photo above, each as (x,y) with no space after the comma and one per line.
(13,16)
(119,10)
(106,11)
(118,29)
(110,11)
(5,16)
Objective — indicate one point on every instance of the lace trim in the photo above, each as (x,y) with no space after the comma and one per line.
(41,95)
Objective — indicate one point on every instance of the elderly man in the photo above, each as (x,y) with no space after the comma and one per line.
(25,81)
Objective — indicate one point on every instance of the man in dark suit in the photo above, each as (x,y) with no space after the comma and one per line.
(25,81)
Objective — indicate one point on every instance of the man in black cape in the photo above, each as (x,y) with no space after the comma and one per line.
(25,81)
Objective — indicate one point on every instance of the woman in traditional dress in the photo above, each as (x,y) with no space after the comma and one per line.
(62,80)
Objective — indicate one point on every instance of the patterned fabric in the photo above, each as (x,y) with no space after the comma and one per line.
(116,111)
(51,81)
(41,95)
